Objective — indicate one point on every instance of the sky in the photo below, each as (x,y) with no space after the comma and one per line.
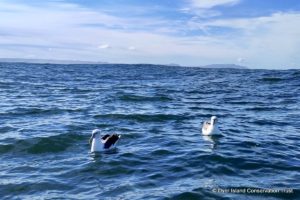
(253,33)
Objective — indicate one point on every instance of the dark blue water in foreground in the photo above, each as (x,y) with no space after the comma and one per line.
(47,113)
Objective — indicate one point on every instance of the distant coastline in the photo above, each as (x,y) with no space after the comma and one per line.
(70,62)
(47,61)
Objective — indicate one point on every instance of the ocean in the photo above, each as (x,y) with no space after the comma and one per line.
(47,114)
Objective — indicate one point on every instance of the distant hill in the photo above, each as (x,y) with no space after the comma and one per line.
(45,61)
(231,66)
(49,61)
(173,65)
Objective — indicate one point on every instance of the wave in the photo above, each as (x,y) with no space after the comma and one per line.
(272,79)
(272,108)
(295,76)
(77,90)
(14,189)
(144,98)
(229,164)
(144,117)
(38,111)
(161,152)
(210,109)
(270,122)
(200,193)
(52,144)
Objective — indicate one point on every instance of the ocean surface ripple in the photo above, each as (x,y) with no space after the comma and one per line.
(47,113)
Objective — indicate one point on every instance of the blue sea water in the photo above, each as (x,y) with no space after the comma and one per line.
(47,113)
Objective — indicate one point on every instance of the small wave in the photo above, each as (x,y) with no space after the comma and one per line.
(6,148)
(272,79)
(296,73)
(77,90)
(195,108)
(270,122)
(223,169)
(156,176)
(225,164)
(5,129)
(262,164)
(144,98)
(188,195)
(161,152)
(196,92)
(116,170)
(52,144)
(262,108)
(177,170)
(199,194)
(242,102)
(144,117)
(38,111)
(12,190)
(249,144)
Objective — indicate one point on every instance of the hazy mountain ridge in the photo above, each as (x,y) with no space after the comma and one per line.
(232,66)
(49,61)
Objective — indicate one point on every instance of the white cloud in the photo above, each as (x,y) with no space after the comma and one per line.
(104,46)
(131,48)
(241,60)
(204,4)
(203,13)
(30,56)
(206,9)
(267,41)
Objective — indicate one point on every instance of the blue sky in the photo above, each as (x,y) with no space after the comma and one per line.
(255,33)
